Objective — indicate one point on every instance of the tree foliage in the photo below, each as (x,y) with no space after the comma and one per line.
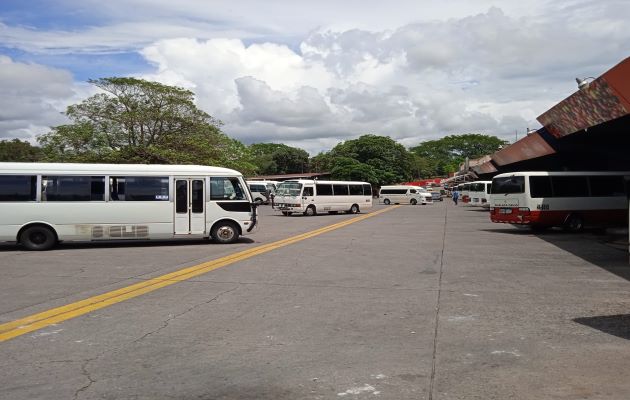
(377,159)
(446,154)
(17,150)
(137,121)
(273,158)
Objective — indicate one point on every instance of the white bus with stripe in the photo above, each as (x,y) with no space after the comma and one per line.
(310,197)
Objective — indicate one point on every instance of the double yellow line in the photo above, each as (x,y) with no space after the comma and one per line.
(41,320)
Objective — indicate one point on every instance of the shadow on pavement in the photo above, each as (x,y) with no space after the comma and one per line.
(617,325)
(126,243)
(593,246)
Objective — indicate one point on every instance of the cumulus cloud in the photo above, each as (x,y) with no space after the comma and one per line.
(411,75)
(33,97)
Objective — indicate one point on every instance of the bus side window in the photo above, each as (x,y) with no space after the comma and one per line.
(226,189)
(307,192)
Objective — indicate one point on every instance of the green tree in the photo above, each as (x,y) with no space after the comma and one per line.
(274,158)
(446,154)
(137,121)
(377,159)
(17,150)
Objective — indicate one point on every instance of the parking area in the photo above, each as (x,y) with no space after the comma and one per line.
(416,302)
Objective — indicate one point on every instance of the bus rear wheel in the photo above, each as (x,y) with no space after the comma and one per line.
(225,232)
(574,223)
(354,209)
(38,238)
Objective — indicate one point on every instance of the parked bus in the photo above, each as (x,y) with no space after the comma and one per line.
(464,192)
(404,194)
(567,199)
(310,197)
(44,203)
(480,193)
(260,191)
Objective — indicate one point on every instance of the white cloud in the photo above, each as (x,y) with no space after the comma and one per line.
(414,71)
(33,97)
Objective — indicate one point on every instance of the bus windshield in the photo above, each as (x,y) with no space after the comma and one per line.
(511,184)
(289,189)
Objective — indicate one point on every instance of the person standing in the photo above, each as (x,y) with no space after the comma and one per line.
(455,196)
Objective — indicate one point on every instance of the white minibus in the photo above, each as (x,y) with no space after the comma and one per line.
(404,194)
(310,197)
(567,199)
(480,193)
(45,203)
(464,193)
(260,191)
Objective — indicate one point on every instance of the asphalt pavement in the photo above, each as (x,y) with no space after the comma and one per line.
(418,302)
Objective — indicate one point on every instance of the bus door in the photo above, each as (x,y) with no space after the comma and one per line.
(308,196)
(190,206)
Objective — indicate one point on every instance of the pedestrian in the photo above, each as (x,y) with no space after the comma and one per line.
(455,196)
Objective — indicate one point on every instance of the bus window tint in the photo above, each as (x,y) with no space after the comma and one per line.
(138,188)
(569,186)
(340,190)
(308,191)
(324,190)
(540,186)
(73,188)
(356,190)
(18,188)
(226,189)
(488,188)
(367,190)
(511,184)
(607,186)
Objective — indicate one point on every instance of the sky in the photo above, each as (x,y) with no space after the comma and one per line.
(313,74)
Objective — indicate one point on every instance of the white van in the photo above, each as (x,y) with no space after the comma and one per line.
(259,191)
(404,194)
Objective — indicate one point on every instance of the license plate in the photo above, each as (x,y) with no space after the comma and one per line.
(505,211)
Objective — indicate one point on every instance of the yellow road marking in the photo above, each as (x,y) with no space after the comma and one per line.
(41,320)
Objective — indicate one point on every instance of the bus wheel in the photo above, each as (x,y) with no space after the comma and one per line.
(310,211)
(354,209)
(574,223)
(38,237)
(386,201)
(224,232)
(413,202)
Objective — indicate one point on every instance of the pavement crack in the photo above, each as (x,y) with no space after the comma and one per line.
(167,321)
(437,309)
(87,374)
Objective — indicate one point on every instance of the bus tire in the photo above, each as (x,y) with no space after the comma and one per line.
(573,223)
(354,209)
(225,232)
(38,237)
(310,211)
(413,202)
(387,202)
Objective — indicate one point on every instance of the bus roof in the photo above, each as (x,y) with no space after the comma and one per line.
(561,173)
(109,169)
(315,181)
